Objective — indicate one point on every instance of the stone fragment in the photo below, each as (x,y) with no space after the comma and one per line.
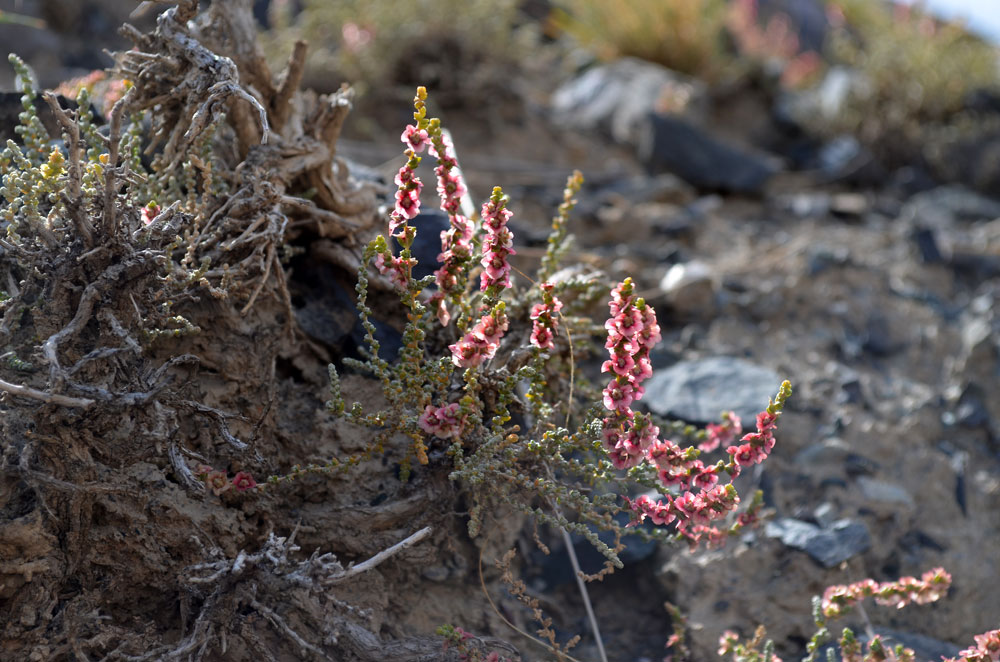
(844,539)
(699,391)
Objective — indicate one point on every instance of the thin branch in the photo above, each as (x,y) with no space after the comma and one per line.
(290,81)
(382,556)
(48,398)
(578,574)
(284,627)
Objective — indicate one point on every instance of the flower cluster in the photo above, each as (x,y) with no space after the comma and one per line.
(408,189)
(631,438)
(632,332)
(218,481)
(396,268)
(481,343)
(497,244)
(722,434)
(682,469)
(543,314)
(399,269)
(456,241)
(932,585)
(987,649)
(444,422)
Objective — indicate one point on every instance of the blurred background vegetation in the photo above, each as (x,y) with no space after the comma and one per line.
(893,76)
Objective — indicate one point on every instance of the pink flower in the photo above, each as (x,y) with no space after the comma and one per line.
(396,269)
(416,139)
(150,212)
(839,599)
(743,455)
(618,397)
(707,478)
(621,364)
(356,38)
(408,202)
(482,341)
(243,481)
(721,434)
(217,482)
(541,338)
(988,643)
(491,328)
(443,421)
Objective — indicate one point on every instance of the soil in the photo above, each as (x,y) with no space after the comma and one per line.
(106,553)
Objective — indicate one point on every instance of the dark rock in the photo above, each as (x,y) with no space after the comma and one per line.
(959,460)
(916,540)
(878,336)
(910,180)
(844,539)
(984,101)
(927,245)
(808,18)
(430,223)
(676,145)
(555,568)
(698,391)
(858,465)
(971,411)
(844,159)
(324,308)
(11,108)
(655,111)
(875,338)
(978,266)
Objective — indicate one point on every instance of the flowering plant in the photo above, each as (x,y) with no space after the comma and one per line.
(462,406)
(838,600)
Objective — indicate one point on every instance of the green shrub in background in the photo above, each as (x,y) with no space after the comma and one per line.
(683,35)
(377,45)
(915,74)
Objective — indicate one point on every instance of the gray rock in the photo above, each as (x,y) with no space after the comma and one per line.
(675,144)
(656,112)
(698,391)
(689,288)
(883,492)
(616,98)
(828,546)
(942,207)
